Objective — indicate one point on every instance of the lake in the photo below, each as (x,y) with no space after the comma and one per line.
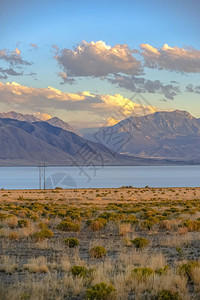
(100,177)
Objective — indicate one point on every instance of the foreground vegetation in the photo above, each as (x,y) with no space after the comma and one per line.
(122,243)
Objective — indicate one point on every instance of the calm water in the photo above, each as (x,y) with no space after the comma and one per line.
(86,177)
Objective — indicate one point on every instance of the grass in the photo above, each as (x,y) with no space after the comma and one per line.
(123,243)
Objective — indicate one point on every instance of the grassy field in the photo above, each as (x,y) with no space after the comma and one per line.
(124,243)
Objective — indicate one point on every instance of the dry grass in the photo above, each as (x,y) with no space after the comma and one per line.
(42,270)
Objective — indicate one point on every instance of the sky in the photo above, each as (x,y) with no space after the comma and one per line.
(94,63)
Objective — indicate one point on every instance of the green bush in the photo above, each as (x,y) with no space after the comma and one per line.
(162,271)
(5,216)
(71,242)
(42,235)
(79,271)
(98,252)
(68,226)
(148,224)
(192,225)
(100,291)
(142,272)
(167,295)
(140,243)
(131,219)
(23,223)
(42,225)
(186,269)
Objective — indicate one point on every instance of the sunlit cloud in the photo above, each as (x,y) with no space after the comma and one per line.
(171,58)
(43,99)
(98,59)
(42,116)
(13,57)
(112,121)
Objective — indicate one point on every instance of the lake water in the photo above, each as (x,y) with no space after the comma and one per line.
(90,177)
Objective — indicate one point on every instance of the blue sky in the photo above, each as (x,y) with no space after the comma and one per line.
(67,24)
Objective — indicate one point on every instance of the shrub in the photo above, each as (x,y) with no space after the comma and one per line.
(42,235)
(148,224)
(68,226)
(42,225)
(142,272)
(96,226)
(140,243)
(100,291)
(71,242)
(98,252)
(127,242)
(192,225)
(130,219)
(167,295)
(186,269)
(5,216)
(23,223)
(162,271)
(179,250)
(14,236)
(79,271)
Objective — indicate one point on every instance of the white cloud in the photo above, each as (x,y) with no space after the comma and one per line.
(171,58)
(98,59)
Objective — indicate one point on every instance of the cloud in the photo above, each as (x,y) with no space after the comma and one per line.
(142,85)
(171,58)
(39,99)
(98,59)
(9,71)
(42,116)
(65,78)
(190,88)
(112,121)
(13,57)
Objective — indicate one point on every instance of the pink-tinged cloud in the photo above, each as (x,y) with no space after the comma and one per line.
(98,59)
(185,60)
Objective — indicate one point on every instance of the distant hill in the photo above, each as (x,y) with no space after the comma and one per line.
(168,135)
(19,116)
(29,143)
(61,124)
(31,118)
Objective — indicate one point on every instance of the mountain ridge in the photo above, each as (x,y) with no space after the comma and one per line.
(28,143)
(163,134)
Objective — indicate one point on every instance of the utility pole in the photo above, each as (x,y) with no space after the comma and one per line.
(39,176)
(42,175)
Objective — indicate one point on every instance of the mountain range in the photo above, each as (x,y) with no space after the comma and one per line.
(159,138)
(164,134)
(29,143)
